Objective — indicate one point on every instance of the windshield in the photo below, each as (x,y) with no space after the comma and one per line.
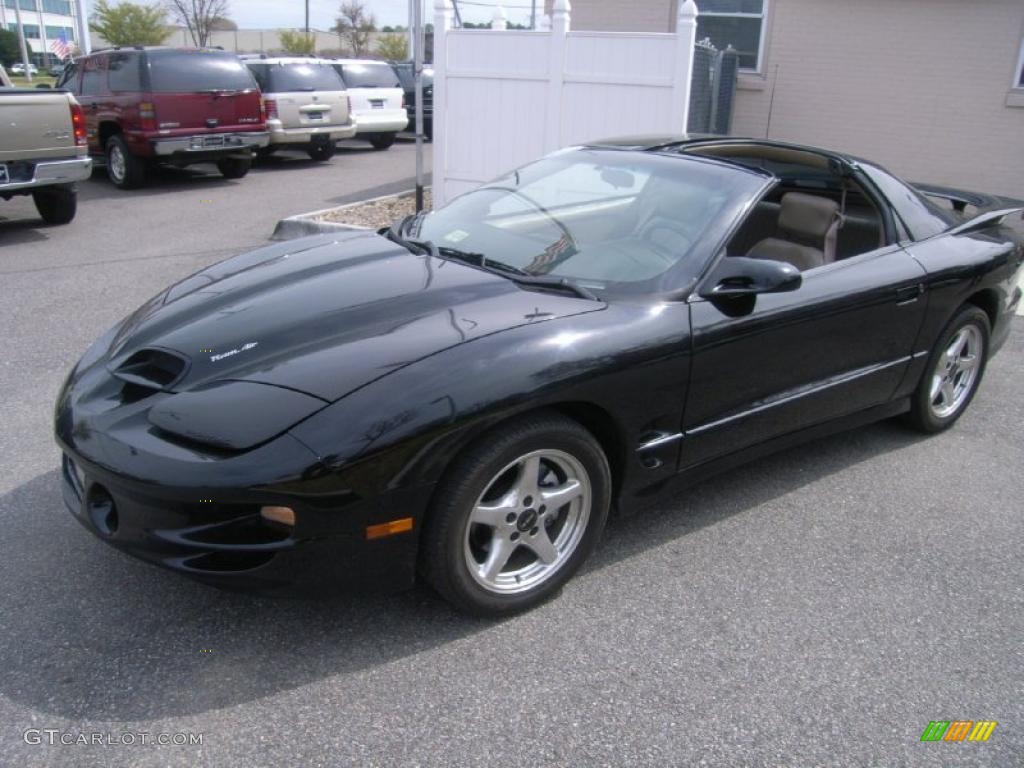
(192,71)
(307,76)
(605,219)
(368,75)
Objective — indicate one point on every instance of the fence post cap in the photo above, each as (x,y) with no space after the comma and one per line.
(687,9)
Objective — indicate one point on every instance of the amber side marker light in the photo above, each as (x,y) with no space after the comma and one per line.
(389,528)
(282,515)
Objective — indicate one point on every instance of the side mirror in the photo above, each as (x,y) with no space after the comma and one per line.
(738,276)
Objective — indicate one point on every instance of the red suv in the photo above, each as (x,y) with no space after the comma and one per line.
(167,105)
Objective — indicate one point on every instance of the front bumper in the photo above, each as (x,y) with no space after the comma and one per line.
(307,133)
(47,173)
(223,541)
(210,143)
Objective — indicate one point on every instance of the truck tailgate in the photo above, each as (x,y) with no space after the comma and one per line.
(36,125)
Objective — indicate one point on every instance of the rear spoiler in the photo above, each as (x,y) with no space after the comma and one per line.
(961,198)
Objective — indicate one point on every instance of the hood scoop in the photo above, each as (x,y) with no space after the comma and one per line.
(153,368)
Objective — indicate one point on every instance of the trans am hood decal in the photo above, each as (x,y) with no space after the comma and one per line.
(328,314)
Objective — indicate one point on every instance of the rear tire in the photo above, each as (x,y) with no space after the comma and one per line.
(491,545)
(382,140)
(234,167)
(125,170)
(57,205)
(321,150)
(953,373)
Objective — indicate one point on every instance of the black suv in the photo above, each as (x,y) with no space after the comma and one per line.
(406,76)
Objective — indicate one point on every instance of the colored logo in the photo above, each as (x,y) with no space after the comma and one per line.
(958,730)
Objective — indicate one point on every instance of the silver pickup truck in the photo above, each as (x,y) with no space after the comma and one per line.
(43,149)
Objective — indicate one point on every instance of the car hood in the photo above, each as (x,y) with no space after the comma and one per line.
(322,315)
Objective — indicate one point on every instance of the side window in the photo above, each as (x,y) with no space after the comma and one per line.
(262,74)
(123,72)
(93,77)
(921,217)
(69,78)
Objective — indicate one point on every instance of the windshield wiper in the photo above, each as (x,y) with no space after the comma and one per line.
(510,271)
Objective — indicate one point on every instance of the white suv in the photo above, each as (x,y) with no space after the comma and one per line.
(377,99)
(307,106)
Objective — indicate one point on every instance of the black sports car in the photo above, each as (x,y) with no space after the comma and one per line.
(465,394)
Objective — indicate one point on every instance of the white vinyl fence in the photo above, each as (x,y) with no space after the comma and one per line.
(505,97)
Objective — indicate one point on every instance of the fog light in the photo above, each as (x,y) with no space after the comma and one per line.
(282,515)
(389,528)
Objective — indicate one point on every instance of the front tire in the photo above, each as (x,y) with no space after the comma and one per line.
(954,371)
(382,140)
(234,167)
(516,515)
(125,170)
(57,205)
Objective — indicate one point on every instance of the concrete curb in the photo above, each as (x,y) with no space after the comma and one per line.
(312,223)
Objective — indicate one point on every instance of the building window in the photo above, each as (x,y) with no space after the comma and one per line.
(62,7)
(1018,81)
(52,33)
(739,23)
(26,5)
(31,30)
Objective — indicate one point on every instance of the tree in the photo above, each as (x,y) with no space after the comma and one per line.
(355,27)
(10,52)
(296,41)
(222,24)
(129,23)
(393,47)
(198,17)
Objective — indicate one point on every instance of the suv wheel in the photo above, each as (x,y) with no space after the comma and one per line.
(57,205)
(234,167)
(382,140)
(124,169)
(321,150)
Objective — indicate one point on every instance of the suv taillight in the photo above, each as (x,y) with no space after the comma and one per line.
(271,107)
(78,125)
(147,115)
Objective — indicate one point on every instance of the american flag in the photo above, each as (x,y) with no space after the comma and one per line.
(61,47)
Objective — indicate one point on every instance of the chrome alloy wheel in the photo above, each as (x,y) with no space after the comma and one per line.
(956,372)
(528,522)
(117,163)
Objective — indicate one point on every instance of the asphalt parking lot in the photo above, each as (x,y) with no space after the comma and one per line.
(818,607)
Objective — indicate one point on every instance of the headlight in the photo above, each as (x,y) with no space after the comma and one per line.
(236,415)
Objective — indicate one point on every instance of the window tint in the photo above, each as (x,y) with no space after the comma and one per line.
(739,23)
(124,72)
(279,78)
(920,216)
(92,77)
(191,71)
(69,78)
(369,75)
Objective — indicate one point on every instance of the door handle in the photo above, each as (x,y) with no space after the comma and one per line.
(909,294)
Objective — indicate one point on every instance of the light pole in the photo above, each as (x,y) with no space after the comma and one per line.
(418,41)
(21,41)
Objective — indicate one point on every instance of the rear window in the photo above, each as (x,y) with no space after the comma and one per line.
(312,76)
(192,71)
(368,75)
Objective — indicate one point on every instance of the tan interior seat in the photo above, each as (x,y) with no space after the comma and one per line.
(806,232)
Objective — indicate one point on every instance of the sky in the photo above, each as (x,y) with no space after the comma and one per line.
(274,14)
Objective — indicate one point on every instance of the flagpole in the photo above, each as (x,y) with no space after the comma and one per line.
(83,27)
(21,41)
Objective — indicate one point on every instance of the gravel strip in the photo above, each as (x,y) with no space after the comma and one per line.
(377,213)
